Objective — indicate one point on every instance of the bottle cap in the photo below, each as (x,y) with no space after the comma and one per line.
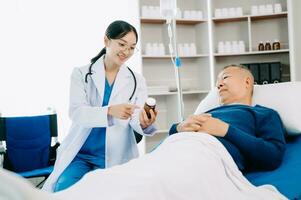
(151,101)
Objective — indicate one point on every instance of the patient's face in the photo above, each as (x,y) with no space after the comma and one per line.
(234,86)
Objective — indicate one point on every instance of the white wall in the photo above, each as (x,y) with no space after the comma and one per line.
(42,40)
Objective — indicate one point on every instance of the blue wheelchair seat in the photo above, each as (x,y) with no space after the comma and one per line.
(28,144)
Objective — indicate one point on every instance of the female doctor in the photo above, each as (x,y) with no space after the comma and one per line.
(105,101)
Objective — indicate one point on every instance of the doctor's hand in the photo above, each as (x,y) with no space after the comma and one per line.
(144,120)
(122,111)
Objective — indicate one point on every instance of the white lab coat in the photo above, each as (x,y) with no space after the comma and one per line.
(86,112)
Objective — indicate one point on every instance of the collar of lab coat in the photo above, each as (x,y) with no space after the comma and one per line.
(121,81)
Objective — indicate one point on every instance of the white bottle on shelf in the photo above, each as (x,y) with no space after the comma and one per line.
(231,12)
(238,12)
(200,15)
(221,47)
(269,9)
(186,49)
(148,49)
(227,48)
(187,14)
(234,47)
(161,49)
(218,13)
(179,13)
(254,10)
(151,11)
(262,10)
(241,46)
(155,49)
(225,12)
(195,14)
(180,49)
(145,11)
(277,8)
(192,49)
(157,12)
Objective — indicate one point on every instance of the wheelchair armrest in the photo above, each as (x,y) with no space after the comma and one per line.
(2,152)
(2,148)
(52,154)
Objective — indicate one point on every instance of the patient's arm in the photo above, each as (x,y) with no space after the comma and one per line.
(265,149)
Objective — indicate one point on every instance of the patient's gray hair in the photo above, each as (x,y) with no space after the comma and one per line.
(246,70)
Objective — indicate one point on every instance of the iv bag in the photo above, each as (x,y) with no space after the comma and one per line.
(168,8)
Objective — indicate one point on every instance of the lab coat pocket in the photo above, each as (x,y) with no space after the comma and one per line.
(118,144)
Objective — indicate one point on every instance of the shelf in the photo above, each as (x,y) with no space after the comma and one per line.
(253,17)
(253,53)
(178,21)
(271,16)
(230,19)
(168,56)
(286,75)
(184,92)
(153,20)
(189,21)
(199,77)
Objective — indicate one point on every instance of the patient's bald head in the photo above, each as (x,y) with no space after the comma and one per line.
(235,84)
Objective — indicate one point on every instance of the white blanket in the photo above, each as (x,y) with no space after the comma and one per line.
(186,166)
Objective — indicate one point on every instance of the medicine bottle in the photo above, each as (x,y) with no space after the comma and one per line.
(260,46)
(276,45)
(267,46)
(149,104)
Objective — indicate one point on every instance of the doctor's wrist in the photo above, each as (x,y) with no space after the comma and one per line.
(109,111)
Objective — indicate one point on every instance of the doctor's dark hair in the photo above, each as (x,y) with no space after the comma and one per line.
(115,30)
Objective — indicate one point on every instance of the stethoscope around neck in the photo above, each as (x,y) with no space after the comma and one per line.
(133,75)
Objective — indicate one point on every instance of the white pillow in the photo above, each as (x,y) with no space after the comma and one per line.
(285,98)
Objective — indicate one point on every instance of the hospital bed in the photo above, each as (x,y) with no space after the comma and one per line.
(285,99)
(286,178)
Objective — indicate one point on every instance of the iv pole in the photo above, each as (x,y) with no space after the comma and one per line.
(168,10)
(177,65)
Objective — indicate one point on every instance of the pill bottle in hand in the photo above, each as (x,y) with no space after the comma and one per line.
(149,104)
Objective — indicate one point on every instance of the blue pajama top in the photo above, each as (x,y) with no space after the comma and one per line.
(255,138)
(94,149)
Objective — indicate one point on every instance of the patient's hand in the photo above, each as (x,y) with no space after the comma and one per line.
(212,126)
(191,124)
(204,123)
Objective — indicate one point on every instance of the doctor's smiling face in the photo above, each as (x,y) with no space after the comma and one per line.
(120,50)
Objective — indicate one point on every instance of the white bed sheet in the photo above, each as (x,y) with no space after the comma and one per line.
(190,166)
(186,166)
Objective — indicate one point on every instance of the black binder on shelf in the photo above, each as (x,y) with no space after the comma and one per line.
(246,65)
(275,71)
(264,73)
(254,68)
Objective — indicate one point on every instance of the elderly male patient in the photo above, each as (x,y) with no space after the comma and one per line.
(253,135)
